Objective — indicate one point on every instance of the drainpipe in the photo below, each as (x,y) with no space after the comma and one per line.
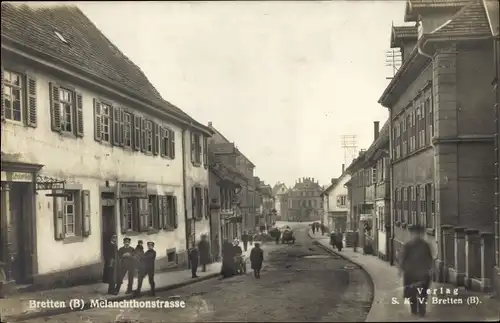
(183,155)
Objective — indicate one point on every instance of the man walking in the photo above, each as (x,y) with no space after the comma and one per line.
(147,267)
(204,249)
(194,256)
(256,259)
(127,266)
(245,239)
(314,228)
(415,266)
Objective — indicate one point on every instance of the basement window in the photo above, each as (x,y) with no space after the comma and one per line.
(58,34)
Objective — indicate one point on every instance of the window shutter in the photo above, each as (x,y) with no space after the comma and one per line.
(161,144)
(3,102)
(143,134)
(115,132)
(97,121)
(86,213)
(193,148)
(137,133)
(175,215)
(58,218)
(122,128)
(165,210)
(171,137)
(207,203)
(55,109)
(143,214)
(79,115)
(31,116)
(205,152)
(156,139)
(159,203)
(193,202)
(123,219)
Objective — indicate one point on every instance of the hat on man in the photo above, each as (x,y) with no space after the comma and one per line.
(416,228)
(126,239)
(140,242)
(151,243)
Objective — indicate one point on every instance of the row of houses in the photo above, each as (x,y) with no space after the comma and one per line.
(302,202)
(435,162)
(90,149)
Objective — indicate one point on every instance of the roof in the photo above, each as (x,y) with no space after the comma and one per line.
(210,126)
(414,6)
(86,49)
(277,188)
(493,12)
(400,33)
(470,20)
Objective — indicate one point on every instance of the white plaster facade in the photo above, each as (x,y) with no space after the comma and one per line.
(336,200)
(88,164)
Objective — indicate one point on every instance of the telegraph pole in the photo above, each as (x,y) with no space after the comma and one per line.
(393,59)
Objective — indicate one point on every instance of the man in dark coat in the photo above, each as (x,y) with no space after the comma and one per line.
(322,229)
(227,259)
(194,258)
(245,238)
(339,240)
(138,253)
(415,264)
(333,238)
(110,271)
(147,267)
(126,265)
(256,259)
(204,249)
(314,228)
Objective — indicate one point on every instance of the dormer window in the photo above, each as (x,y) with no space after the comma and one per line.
(58,34)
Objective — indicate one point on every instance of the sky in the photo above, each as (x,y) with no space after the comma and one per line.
(282,80)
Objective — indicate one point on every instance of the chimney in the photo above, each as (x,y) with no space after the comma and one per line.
(376,129)
(343,168)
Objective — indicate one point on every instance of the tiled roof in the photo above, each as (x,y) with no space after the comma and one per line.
(438,3)
(471,20)
(405,32)
(87,49)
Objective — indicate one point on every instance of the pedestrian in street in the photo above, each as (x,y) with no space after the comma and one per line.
(237,252)
(204,249)
(339,237)
(110,270)
(245,239)
(333,238)
(126,266)
(278,235)
(322,229)
(256,259)
(415,265)
(250,238)
(147,267)
(227,259)
(313,228)
(194,257)
(138,253)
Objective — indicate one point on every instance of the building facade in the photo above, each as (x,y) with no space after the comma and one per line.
(335,201)
(74,140)
(360,212)
(441,134)
(267,211)
(304,200)
(280,200)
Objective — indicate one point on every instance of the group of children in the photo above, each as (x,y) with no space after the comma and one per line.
(128,261)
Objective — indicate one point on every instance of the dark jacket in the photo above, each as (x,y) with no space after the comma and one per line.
(256,258)
(126,261)
(148,261)
(416,258)
(237,250)
(204,249)
(194,256)
(227,250)
(245,238)
(110,263)
(138,254)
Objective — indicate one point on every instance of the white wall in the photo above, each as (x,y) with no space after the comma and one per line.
(338,190)
(89,163)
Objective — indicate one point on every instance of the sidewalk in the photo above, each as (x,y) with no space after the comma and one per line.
(16,307)
(388,290)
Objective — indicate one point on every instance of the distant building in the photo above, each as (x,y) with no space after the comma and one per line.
(336,203)
(304,200)
(280,200)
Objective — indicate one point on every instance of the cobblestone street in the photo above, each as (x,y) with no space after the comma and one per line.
(299,283)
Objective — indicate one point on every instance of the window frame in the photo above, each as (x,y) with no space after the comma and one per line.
(22,88)
(108,118)
(127,125)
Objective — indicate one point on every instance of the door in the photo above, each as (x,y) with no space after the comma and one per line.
(18,233)
(108,224)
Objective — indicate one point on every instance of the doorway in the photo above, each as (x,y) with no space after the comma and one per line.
(108,224)
(18,233)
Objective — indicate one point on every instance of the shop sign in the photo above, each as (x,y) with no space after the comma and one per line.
(133,190)
(17,177)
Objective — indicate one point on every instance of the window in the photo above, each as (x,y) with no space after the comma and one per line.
(13,96)
(197,198)
(149,136)
(152,218)
(66,106)
(140,215)
(309,203)
(430,121)
(422,195)
(72,215)
(167,144)
(342,200)
(396,206)
(430,205)
(398,142)
(105,122)
(413,194)
(128,215)
(127,129)
(424,140)
(374,175)
(405,205)
(381,218)
(406,125)
(168,210)
(196,149)
(418,142)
